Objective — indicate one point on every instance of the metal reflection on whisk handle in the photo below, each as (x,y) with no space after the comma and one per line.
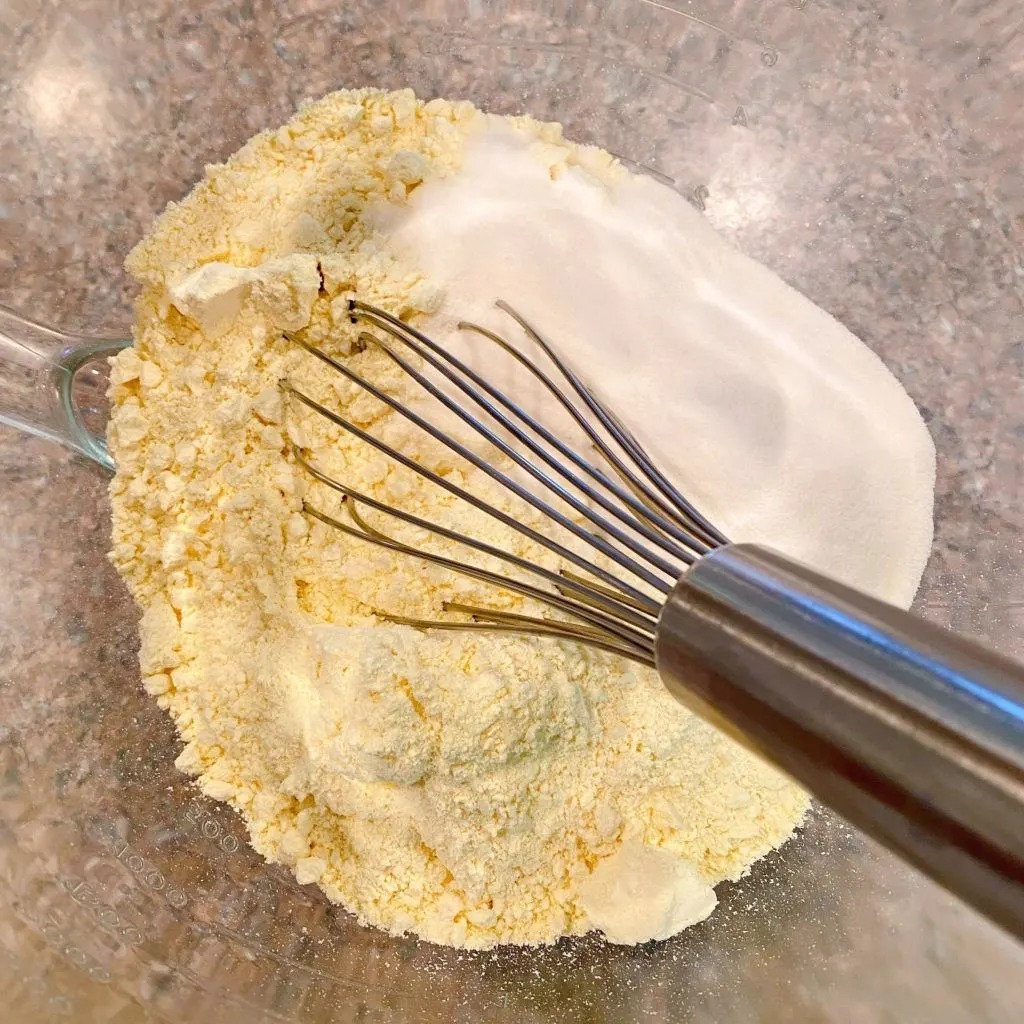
(914,734)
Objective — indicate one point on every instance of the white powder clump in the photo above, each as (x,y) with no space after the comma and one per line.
(472,789)
(642,892)
(212,295)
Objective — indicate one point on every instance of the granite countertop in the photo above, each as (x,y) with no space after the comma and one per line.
(869,152)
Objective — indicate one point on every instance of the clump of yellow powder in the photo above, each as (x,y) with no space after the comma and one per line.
(472,789)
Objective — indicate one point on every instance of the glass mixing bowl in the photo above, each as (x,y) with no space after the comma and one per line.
(868,152)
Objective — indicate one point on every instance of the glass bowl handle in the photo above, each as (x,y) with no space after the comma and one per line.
(37,371)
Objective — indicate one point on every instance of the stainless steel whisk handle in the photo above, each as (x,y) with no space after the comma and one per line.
(912,733)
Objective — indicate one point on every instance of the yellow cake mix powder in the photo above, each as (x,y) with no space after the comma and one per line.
(472,789)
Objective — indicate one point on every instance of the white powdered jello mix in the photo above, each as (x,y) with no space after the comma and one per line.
(472,789)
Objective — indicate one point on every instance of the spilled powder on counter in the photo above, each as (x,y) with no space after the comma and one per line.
(471,789)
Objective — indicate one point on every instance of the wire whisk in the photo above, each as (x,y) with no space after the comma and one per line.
(636,520)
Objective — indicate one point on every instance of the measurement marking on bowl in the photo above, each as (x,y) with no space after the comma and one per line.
(252,944)
(676,83)
(56,930)
(211,828)
(530,45)
(769,54)
(151,878)
(688,16)
(227,959)
(103,913)
(98,903)
(639,168)
(52,931)
(130,939)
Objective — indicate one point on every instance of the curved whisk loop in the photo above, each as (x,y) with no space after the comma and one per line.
(641,531)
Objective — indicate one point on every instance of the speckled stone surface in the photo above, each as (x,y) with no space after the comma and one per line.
(869,152)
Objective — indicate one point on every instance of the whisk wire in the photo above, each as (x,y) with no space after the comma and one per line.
(638,494)
(456,371)
(605,611)
(613,602)
(536,629)
(570,580)
(678,505)
(576,631)
(595,541)
(631,638)
(538,474)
